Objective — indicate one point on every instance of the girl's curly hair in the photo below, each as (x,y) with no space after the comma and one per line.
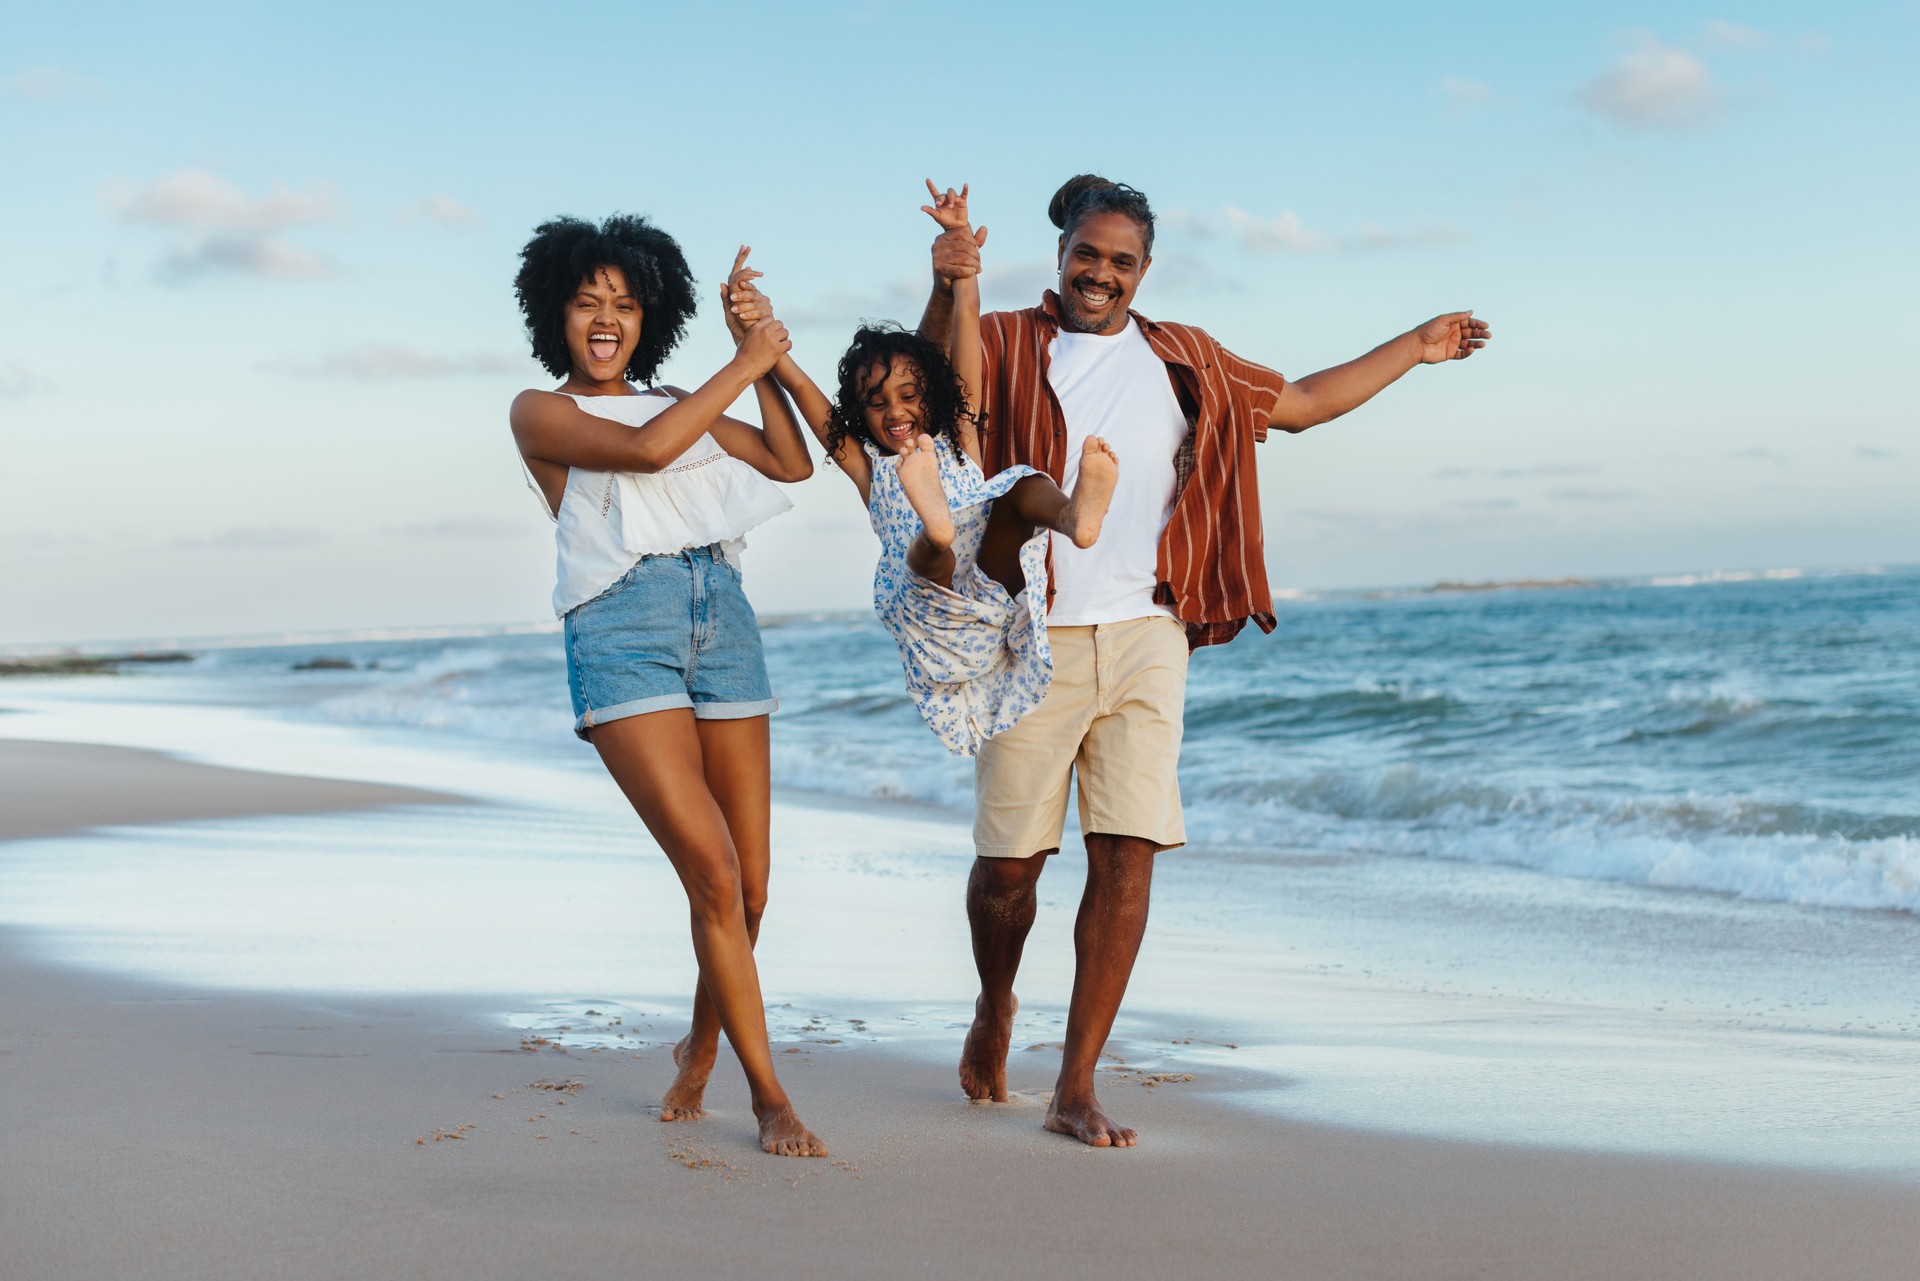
(941,391)
(565,251)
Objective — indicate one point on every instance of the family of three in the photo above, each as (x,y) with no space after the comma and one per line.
(1066,502)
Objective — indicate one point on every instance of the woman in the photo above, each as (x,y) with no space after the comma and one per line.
(651,492)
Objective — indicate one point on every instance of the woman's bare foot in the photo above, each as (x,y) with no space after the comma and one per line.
(1086,507)
(683,1098)
(782,1134)
(920,478)
(1083,1120)
(983,1059)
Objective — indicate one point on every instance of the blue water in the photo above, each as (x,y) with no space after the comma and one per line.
(1757,737)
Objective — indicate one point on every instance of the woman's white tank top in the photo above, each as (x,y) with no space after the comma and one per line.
(608,520)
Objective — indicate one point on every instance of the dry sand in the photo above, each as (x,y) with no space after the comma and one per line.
(158,1133)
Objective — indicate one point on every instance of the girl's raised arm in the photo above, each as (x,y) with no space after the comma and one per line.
(949,209)
(747,306)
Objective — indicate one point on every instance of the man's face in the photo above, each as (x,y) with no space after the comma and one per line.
(1101,264)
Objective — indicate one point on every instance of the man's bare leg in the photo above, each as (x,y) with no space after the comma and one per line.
(1001,900)
(1106,939)
(734,757)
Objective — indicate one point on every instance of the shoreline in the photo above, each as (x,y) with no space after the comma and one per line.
(303,1135)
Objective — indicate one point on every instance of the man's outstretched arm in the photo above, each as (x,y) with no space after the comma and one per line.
(956,254)
(1324,396)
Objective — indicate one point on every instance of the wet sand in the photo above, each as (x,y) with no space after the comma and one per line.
(178,1132)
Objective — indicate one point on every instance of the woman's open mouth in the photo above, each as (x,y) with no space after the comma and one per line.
(603,346)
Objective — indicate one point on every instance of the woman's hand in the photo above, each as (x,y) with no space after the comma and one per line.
(741,302)
(762,347)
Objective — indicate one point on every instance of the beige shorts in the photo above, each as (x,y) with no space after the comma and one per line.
(1113,717)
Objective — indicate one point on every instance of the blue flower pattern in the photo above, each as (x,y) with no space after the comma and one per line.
(976,660)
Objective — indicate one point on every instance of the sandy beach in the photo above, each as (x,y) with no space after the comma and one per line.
(169,1131)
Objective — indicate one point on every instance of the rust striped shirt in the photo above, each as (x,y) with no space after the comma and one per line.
(1212,562)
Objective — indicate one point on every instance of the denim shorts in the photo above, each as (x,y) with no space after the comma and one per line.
(673,631)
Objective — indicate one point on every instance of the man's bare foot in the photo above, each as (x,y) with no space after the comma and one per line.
(1086,1122)
(920,478)
(983,1059)
(683,1098)
(1086,507)
(782,1134)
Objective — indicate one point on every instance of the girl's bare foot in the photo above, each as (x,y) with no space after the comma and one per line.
(1086,507)
(920,478)
(682,1101)
(782,1134)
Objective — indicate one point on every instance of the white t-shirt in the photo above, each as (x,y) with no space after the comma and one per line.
(1112,385)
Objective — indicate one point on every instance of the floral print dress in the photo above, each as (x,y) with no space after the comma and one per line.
(977,660)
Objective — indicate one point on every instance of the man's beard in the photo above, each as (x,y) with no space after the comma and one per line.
(1081,323)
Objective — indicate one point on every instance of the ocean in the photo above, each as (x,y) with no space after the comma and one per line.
(1755,735)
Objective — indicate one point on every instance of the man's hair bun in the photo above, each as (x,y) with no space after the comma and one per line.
(1089,193)
(1069,195)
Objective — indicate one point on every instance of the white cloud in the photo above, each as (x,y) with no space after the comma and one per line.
(16,380)
(1286,232)
(385,362)
(1758,456)
(1593,495)
(244,254)
(447,211)
(900,301)
(1465,93)
(468,527)
(195,200)
(229,232)
(1731,35)
(258,538)
(1874,452)
(1655,86)
(1017,284)
(53,84)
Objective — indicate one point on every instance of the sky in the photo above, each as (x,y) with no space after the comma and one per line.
(258,338)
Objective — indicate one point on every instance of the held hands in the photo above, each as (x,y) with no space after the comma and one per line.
(741,301)
(956,251)
(1454,336)
(761,339)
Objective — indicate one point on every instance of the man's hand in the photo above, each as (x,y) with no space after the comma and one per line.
(741,301)
(956,250)
(1454,336)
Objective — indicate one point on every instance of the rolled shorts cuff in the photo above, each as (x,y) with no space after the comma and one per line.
(671,702)
(1029,851)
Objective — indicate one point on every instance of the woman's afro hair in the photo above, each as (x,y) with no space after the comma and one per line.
(1086,194)
(565,251)
(941,392)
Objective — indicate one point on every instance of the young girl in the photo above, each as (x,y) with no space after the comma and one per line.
(962,579)
(651,492)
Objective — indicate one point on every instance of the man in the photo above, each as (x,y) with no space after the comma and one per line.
(1179,564)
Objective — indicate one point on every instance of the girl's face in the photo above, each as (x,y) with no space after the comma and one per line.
(895,405)
(603,326)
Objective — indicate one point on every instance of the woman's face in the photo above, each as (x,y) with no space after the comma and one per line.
(895,407)
(603,326)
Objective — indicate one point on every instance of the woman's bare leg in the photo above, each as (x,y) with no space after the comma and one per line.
(659,762)
(734,757)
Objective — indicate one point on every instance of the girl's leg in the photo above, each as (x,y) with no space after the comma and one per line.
(930,555)
(734,757)
(659,762)
(1035,502)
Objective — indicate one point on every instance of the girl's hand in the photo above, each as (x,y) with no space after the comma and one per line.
(762,347)
(741,302)
(949,207)
(1454,336)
